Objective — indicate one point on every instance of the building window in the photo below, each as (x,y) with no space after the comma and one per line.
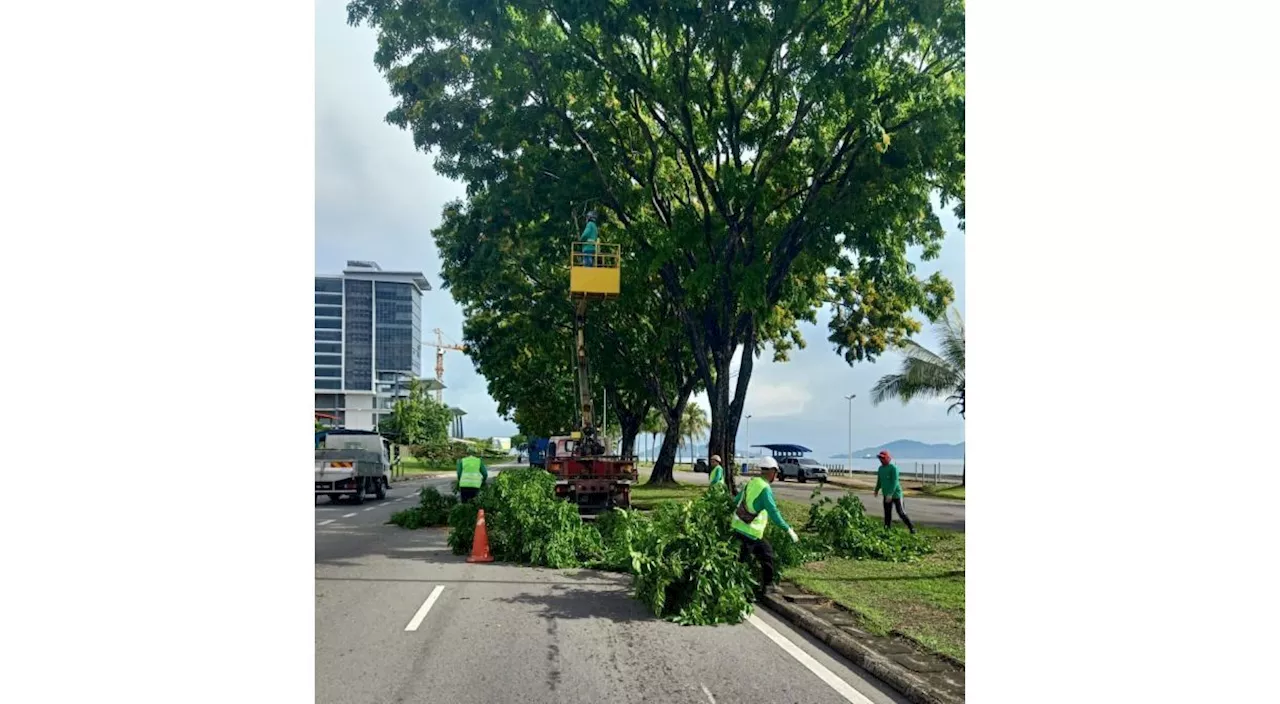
(328,372)
(328,299)
(328,335)
(329,286)
(358,349)
(328,323)
(328,384)
(329,347)
(328,311)
(329,360)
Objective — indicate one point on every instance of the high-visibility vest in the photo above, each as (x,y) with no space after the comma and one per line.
(471,477)
(759,521)
(717,475)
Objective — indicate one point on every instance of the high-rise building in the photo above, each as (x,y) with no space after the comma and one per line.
(368,341)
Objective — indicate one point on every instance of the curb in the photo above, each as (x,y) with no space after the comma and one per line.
(906,682)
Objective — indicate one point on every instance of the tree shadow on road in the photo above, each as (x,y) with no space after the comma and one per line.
(611,603)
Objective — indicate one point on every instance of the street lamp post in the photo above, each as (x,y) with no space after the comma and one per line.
(850,398)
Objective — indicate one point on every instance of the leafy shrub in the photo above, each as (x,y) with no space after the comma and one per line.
(621,531)
(433,509)
(843,528)
(685,566)
(526,523)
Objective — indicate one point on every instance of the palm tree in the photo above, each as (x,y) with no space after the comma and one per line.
(925,374)
(695,424)
(652,424)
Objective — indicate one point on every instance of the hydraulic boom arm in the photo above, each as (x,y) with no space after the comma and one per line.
(590,443)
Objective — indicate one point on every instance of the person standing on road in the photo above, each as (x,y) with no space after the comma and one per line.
(717,472)
(755,505)
(887,480)
(472,474)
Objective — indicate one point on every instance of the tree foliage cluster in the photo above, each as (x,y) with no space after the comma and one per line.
(756,162)
(417,419)
(682,557)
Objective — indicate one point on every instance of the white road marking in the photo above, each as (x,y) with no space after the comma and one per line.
(371,508)
(817,668)
(422,610)
(708,693)
(349,515)
(325,523)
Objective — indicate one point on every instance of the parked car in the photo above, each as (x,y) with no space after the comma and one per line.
(801,468)
(701,466)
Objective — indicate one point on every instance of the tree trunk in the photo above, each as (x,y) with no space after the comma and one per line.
(664,467)
(630,429)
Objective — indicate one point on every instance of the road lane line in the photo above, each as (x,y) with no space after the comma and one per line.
(371,508)
(325,523)
(422,610)
(349,515)
(817,668)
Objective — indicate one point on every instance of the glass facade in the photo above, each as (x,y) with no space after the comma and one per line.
(328,285)
(399,316)
(363,327)
(329,401)
(359,335)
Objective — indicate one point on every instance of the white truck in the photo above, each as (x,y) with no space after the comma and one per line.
(352,463)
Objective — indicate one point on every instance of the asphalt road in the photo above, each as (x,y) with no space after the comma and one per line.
(942,513)
(401,619)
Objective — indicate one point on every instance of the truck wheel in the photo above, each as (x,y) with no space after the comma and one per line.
(359,495)
(802,478)
(382,490)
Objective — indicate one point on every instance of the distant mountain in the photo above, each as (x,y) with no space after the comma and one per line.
(910,449)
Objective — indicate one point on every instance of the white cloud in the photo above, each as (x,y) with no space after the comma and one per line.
(766,400)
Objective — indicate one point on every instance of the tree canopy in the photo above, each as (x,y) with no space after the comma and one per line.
(756,161)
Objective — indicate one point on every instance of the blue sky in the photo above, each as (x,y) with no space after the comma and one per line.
(378,198)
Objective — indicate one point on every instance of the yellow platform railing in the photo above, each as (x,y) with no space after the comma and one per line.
(595,269)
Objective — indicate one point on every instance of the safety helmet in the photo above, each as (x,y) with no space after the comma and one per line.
(768,463)
(715,458)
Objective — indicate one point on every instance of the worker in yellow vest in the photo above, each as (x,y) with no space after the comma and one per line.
(755,505)
(472,474)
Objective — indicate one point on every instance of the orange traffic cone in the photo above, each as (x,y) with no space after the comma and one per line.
(480,543)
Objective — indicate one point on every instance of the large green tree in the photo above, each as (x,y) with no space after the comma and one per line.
(417,419)
(504,258)
(759,160)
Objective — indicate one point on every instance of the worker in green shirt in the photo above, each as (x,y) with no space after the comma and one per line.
(472,474)
(589,237)
(717,471)
(755,505)
(888,482)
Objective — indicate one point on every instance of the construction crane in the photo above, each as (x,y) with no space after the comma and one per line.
(585,473)
(440,348)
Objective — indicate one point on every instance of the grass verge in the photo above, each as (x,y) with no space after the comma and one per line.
(943,492)
(922,600)
(647,498)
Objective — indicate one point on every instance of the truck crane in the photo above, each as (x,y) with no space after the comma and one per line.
(585,472)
